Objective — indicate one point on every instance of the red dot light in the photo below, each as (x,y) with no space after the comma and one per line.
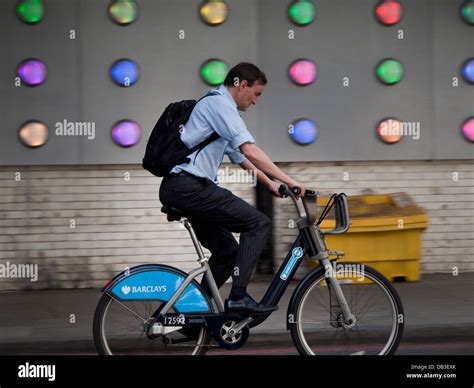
(389,12)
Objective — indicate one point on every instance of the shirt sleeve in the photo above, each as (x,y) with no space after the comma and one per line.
(234,155)
(226,121)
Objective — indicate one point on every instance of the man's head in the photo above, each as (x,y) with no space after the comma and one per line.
(245,83)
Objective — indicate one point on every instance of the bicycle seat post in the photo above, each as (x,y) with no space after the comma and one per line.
(203,261)
(199,251)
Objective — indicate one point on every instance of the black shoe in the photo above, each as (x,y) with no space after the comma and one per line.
(247,305)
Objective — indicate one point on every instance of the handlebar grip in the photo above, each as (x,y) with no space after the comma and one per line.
(282,189)
(296,190)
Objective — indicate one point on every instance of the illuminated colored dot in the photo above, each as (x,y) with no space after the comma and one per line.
(388,12)
(389,130)
(303,131)
(124,72)
(33,134)
(467,12)
(214,12)
(468,70)
(302,12)
(123,12)
(468,129)
(303,72)
(389,71)
(30,11)
(126,133)
(214,71)
(32,72)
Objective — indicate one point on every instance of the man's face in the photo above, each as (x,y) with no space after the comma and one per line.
(248,95)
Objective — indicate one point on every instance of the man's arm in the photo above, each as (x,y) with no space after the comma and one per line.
(261,160)
(264,179)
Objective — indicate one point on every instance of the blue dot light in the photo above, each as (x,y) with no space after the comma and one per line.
(468,70)
(303,131)
(124,72)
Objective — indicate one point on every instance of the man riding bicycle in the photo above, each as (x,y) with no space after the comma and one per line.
(214,211)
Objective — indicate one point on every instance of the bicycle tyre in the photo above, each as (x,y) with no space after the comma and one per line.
(316,277)
(101,342)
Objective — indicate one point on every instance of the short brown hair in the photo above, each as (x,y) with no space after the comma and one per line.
(245,71)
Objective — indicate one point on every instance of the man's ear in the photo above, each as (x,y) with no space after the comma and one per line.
(243,84)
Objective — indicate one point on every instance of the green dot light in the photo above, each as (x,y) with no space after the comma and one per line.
(467,12)
(30,11)
(302,12)
(123,12)
(389,71)
(214,71)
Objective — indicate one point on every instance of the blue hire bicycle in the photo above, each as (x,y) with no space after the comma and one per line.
(339,308)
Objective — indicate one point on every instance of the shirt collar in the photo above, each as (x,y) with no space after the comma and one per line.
(225,92)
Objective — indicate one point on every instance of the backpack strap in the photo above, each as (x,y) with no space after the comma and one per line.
(210,139)
(206,142)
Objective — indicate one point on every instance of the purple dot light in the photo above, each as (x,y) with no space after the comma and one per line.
(303,72)
(468,129)
(126,133)
(32,72)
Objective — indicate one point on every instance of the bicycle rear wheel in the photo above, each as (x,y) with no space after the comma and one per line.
(316,320)
(120,329)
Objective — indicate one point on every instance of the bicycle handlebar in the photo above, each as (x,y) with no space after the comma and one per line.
(293,191)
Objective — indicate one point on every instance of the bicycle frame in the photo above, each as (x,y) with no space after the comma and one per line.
(310,241)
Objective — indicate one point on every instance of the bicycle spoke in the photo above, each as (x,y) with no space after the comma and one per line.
(371,333)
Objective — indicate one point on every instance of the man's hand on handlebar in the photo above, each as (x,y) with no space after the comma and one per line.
(276,189)
(297,184)
(273,187)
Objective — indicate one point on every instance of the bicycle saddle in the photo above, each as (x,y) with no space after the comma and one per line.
(172,214)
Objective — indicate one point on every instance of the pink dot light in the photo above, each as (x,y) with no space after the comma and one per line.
(303,72)
(468,129)
(32,72)
(126,133)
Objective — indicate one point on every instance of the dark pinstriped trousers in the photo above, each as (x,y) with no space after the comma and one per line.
(214,212)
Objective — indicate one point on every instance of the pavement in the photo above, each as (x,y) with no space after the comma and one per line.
(438,306)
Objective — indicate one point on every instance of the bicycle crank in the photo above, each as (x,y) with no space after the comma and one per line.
(229,338)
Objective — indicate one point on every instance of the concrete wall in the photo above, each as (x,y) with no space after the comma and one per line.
(118,222)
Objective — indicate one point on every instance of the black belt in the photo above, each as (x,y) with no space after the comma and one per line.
(182,173)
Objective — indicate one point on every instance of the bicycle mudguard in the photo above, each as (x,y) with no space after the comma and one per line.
(158,282)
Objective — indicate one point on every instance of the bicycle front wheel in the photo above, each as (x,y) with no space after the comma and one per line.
(120,329)
(317,323)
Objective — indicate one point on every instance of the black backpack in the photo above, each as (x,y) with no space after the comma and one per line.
(165,149)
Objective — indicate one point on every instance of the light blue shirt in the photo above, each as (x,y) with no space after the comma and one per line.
(215,113)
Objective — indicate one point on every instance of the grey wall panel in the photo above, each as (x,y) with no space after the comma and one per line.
(453,43)
(409,99)
(345,41)
(283,101)
(53,101)
(169,65)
